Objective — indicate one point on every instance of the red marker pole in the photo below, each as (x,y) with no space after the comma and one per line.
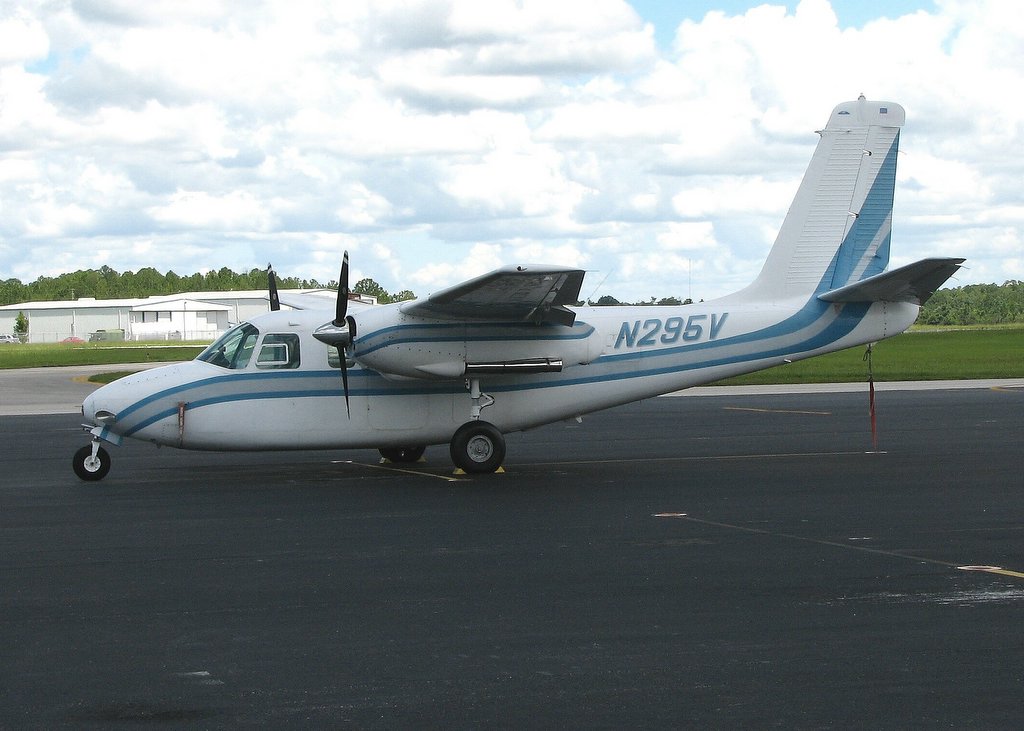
(871,401)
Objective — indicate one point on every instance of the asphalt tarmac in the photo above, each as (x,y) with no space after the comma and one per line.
(730,561)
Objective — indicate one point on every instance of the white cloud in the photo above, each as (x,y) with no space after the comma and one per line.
(362,207)
(200,210)
(687,236)
(716,196)
(22,37)
(437,139)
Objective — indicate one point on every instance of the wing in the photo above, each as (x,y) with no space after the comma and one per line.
(308,300)
(516,294)
(324,300)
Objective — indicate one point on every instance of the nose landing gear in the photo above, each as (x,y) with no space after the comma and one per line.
(91,463)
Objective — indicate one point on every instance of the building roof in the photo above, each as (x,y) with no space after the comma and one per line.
(78,304)
(181,304)
(162,302)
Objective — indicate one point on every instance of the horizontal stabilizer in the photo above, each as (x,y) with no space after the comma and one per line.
(911,283)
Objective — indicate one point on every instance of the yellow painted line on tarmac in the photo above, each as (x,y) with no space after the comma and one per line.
(838,544)
(458,473)
(1008,389)
(777,411)
(700,458)
(1007,572)
(994,570)
(388,468)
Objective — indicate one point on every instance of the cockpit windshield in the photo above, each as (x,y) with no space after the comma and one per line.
(233,349)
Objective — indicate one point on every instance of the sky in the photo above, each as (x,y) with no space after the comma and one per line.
(656,144)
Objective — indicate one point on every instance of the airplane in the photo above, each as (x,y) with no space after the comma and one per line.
(510,350)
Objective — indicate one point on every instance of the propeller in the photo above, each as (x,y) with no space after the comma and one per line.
(275,303)
(339,332)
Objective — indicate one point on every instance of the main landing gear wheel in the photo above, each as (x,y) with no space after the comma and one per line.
(404,455)
(91,468)
(478,447)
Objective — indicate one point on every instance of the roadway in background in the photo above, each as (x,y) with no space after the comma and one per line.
(27,391)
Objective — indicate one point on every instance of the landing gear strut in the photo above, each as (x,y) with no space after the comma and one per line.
(91,463)
(478,447)
(480,399)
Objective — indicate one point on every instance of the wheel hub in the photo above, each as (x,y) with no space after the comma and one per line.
(480,449)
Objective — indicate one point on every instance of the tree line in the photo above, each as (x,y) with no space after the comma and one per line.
(108,283)
(973,304)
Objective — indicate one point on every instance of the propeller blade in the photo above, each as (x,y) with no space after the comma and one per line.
(342,306)
(341,332)
(275,302)
(344,379)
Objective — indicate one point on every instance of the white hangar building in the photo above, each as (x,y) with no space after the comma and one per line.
(186,316)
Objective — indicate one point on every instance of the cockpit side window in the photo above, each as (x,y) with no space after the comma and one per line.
(233,349)
(279,351)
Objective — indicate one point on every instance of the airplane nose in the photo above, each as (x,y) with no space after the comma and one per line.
(95,413)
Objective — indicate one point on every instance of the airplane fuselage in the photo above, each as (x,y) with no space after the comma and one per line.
(609,356)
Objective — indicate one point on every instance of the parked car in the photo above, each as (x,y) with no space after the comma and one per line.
(104,336)
(72,340)
(9,339)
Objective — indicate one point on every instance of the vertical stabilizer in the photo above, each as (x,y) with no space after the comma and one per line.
(838,228)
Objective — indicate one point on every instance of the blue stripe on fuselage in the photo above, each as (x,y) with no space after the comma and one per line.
(463,332)
(365,383)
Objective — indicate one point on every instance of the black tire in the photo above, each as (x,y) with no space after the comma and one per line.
(88,469)
(478,447)
(404,455)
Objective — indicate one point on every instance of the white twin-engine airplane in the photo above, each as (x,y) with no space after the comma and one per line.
(506,351)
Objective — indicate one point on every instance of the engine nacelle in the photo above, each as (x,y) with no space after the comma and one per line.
(435,349)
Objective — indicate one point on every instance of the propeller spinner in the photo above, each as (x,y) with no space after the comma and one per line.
(339,332)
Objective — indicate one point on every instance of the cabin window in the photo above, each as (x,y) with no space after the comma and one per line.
(279,351)
(233,349)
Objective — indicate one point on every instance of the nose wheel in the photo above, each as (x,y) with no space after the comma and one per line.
(478,447)
(91,463)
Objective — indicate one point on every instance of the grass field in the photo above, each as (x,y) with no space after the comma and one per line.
(36,356)
(917,355)
(926,355)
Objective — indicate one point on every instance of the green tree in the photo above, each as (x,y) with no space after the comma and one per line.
(12,291)
(370,287)
(21,327)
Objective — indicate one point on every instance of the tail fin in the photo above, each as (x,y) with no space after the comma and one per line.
(838,228)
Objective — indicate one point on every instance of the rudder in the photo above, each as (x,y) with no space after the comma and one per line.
(837,230)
